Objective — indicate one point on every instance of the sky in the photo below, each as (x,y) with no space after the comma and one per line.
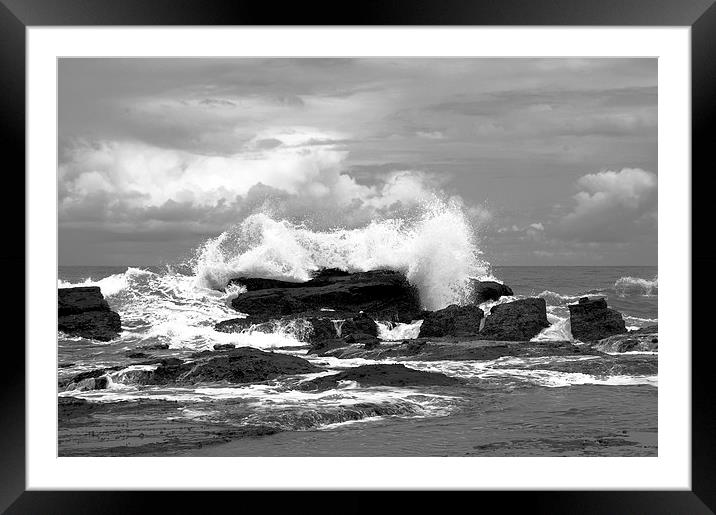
(554,161)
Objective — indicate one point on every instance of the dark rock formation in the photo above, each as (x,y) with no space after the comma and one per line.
(520,320)
(368,340)
(453,320)
(83,311)
(241,365)
(73,301)
(631,341)
(236,325)
(323,329)
(381,375)
(224,346)
(155,346)
(381,294)
(592,320)
(489,290)
(138,355)
(361,324)
(651,329)
(456,349)
(605,365)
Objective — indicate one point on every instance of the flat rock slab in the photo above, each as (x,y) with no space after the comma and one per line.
(456,349)
(241,365)
(381,375)
(381,294)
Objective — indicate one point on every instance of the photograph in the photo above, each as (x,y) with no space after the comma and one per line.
(357,257)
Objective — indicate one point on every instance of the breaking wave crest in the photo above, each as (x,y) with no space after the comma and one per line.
(636,286)
(436,250)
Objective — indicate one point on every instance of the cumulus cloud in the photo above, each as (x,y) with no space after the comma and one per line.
(130,186)
(612,206)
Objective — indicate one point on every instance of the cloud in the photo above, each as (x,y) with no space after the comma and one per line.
(612,206)
(130,186)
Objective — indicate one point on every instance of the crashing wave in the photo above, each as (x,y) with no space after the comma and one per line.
(436,250)
(637,286)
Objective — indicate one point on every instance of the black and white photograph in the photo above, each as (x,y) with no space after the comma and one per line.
(357,257)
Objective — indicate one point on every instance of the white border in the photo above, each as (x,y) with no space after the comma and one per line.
(670,470)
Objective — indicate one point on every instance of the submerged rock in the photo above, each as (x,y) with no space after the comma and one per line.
(629,342)
(484,291)
(381,375)
(519,320)
(455,349)
(453,320)
(381,294)
(83,311)
(241,365)
(592,320)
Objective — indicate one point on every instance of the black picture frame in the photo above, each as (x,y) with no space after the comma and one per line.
(17,15)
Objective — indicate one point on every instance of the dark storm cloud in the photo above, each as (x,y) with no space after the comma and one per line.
(160,146)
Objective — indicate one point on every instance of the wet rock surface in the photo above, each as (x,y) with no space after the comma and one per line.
(633,341)
(83,311)
(455,349)
(520,320)
(452,321)
(381,294)
(592,320)
(381,375)
(484,291)
(242,365)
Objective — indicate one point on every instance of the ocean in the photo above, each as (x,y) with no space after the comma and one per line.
(546,406)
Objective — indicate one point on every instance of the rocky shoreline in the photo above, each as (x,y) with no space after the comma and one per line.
(337,316)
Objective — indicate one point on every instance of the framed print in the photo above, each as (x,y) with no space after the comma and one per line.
(422,249)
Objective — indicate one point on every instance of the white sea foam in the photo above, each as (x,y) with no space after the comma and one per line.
(394,332)
(169,307)
(436,250)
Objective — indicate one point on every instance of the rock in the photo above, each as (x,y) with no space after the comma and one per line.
(322,329)
(651,329)
(632,341)
(72,301)
(592,320)
(96,325)
(224,346)
(381,294)
(381,375)
(83,311)
(234,325)
(605,365)
(91,380)
(484,291)
(361,323)
(520,320)
(138,355)
(453,320)
(155,346)
(456,349)
(368,340)
(241,365)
